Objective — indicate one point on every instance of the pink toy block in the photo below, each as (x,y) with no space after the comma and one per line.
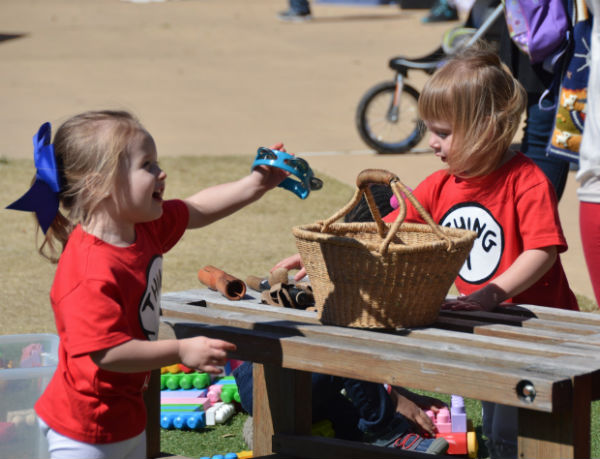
(182,393)
(214,393)
(442,419)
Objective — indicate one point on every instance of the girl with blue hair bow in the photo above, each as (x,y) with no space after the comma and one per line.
(102,171)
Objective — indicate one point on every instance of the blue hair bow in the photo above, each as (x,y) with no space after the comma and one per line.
(42,197)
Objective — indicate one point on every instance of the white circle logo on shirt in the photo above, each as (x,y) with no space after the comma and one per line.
(150,305)
(484,258)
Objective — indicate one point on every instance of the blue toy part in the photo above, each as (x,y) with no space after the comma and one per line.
(292,164)
(192,420)
(222,456)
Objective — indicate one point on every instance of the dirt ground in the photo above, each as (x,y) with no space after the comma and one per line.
(221,77)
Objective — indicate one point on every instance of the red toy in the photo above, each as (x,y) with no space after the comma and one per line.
(454,427)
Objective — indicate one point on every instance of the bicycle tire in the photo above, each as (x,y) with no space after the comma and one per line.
(378,131)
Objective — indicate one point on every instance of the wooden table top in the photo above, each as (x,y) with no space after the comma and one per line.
(525,356)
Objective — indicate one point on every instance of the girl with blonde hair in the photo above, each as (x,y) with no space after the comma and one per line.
(472,107)
(98,197)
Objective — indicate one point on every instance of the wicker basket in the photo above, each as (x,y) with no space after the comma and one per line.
(377,275)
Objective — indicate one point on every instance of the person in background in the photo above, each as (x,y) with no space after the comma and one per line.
(441,11)
(588,175)
(540,116)
(298,11)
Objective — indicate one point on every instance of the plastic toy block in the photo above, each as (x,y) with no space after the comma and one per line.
(183,393)
(442,421)
(182,380)
(185,369)
(457,442)
(219,413)
(180,401)
(461,443)
(181,408)
(191,420)
(458,414)
(230,393)
(245,455)
(214,393)
(223,392)
(20,418)
(229,456)
(453,425)
(225,380)
(170,369)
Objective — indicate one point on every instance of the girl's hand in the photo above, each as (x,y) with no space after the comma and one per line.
(269,177)
(204,354)
(413,406)
(484,299)
(292,262)
(463,303)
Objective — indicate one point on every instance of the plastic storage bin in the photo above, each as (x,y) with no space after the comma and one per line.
(27,362)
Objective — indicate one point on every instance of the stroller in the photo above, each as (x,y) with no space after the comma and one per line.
(387,115)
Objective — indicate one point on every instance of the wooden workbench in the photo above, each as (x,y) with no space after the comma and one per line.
(544,361)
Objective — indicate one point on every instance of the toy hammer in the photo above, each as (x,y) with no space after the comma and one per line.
(215,279)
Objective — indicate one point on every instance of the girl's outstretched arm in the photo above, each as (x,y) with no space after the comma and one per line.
(525,271)
(134,356)
(216,202)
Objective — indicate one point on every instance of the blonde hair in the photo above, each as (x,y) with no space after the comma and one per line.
(90,149)
(478,96)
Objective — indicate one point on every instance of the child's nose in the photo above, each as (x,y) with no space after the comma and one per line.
(433,141)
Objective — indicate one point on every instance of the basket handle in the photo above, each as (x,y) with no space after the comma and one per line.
(383,177)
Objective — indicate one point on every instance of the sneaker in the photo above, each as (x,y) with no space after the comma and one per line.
(441,11)
(414,442)
(294,16)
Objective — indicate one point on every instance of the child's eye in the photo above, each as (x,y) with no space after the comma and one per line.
(150,166)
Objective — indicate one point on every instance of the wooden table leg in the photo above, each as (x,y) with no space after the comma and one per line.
(564,433)
(281,404)
(152,400)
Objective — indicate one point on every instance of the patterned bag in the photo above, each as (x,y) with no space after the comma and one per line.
(570,113)
(539,28)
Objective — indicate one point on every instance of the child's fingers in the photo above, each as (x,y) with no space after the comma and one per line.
(425,423)
(462,305)
(211,369)
(278,146)
(220,345)
(291,262)
(300,274)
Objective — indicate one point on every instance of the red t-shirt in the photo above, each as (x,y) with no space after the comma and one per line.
(103,296)
(513,209)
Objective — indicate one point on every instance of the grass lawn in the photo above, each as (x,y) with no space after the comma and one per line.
(227,438)
(249,242)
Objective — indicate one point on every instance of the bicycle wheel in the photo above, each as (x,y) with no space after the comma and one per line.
(385,128)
